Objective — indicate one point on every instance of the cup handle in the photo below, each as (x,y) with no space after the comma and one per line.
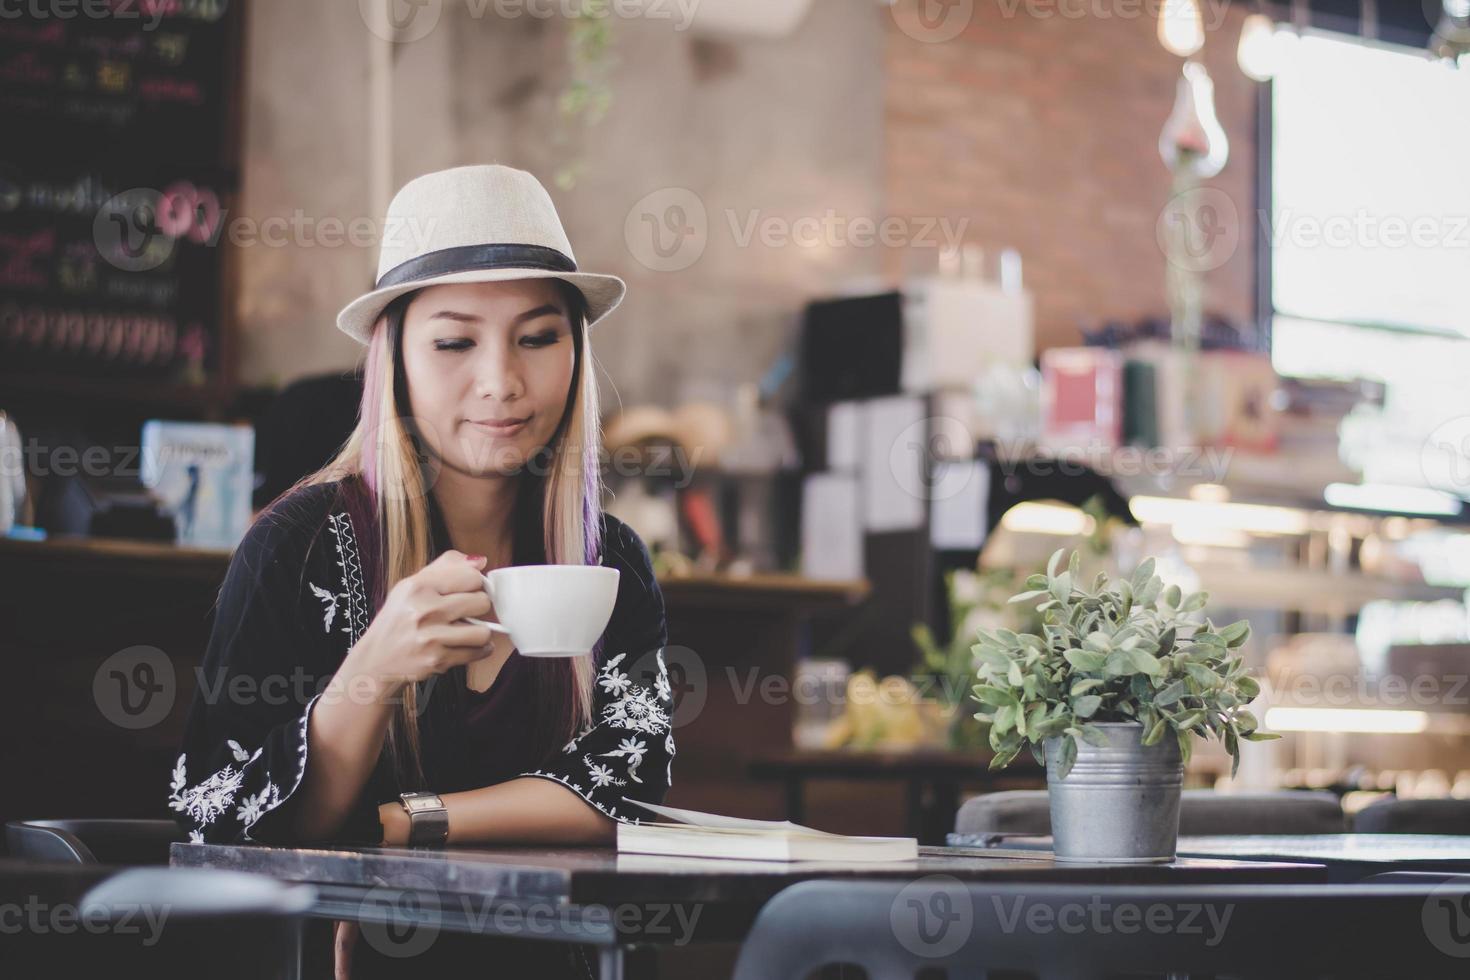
(489,587)
(485,622)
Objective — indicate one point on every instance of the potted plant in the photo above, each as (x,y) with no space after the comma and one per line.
(1109,696)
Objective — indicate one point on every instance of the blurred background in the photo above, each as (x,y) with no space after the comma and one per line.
(919,292)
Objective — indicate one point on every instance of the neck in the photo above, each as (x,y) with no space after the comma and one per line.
(477,513)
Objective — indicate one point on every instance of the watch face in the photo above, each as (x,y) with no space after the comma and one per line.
(417,804)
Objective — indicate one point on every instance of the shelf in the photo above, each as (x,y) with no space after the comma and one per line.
(138,391)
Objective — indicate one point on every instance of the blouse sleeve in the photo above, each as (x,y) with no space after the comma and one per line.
(278,635)
(629,748)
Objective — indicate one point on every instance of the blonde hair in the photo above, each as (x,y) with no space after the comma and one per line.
(383,451)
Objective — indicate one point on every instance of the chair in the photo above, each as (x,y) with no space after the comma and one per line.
(88,920)
(1440,816)
(92,841)
(896,929)
(1202,813)
(1418,878)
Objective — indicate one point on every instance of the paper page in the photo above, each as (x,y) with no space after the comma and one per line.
(699,818)
(961,498)
(831,527)
(845,437)
(894,464)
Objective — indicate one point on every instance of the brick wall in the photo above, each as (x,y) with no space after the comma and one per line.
(1042,130)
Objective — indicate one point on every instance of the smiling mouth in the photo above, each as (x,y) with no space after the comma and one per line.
(500,426)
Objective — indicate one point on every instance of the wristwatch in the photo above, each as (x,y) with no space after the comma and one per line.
(428,819)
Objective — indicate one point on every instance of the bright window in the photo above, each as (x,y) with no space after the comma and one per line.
(1370,183)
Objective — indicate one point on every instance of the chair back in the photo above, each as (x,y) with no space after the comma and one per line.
(1202,813)
(1393,816)
(90,920)
(895,929)
(93,841)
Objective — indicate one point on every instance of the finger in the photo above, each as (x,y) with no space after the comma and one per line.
(458,605)
(448,575)
(345,940)
(460,636)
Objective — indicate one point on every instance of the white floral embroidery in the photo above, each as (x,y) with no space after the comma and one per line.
(205,802)
(195,837)
(614,681)
(601,775)
(329,603)
(252,808)
(633,750)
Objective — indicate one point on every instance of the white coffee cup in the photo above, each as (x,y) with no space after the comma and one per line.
(551,610)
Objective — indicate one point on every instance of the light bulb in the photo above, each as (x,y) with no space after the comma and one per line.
(1256,54)
(1192,136)
(1181,28)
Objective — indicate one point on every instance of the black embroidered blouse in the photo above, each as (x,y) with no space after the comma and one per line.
(295,600)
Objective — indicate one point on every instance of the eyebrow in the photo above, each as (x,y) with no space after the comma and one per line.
(458,317)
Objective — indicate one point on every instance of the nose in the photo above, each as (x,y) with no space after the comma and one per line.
(498,374)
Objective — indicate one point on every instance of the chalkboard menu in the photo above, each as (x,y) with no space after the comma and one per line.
(118,172)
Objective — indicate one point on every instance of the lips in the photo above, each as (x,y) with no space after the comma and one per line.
(504,426)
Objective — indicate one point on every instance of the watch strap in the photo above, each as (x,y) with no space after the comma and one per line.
(428,819)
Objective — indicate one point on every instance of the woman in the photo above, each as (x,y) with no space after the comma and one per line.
(341,673)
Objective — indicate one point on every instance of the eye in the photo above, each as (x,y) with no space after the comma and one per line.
(455,346)
(544,338)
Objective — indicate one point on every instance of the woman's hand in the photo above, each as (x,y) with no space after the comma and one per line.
(417,633)
(396,825)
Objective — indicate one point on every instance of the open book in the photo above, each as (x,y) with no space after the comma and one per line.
(698,834)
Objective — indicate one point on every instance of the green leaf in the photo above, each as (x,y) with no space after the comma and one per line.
(1085,660)
(1013,673)
(1248,687)
(1120,663)
(997,696)
(1084,685)
(1203,676)
(1142,574)
(1156,732)
(1173,597)
(1166,642)
(1004,757)
(1028,596)
(1061,586)
(1067,756)
(1188,719)
(1170,694)
(1054,562)
(1245,722)
(1146,663)
(1005,718)
(1236,633)
(1186,746)
(1086,706)
(1093,736)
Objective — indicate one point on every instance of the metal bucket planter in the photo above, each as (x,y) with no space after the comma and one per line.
(1120,804)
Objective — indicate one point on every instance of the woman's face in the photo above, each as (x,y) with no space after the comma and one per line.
(480,354)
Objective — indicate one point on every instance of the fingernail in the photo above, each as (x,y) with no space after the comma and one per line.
(474,557)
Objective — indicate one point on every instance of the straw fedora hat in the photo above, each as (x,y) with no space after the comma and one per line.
(483,223)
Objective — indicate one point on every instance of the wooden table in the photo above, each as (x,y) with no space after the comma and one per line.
(595,896)
(1346,857)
